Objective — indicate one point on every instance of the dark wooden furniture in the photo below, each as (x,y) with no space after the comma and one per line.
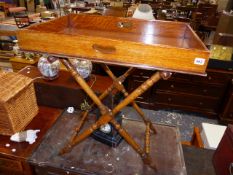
(227,114)
(16,162)
(225,39)
(224,27)
(204,95)
(80,9)
(186,11)
(22,20)
(223,156)
(64,91)
(207,10)
(114,11)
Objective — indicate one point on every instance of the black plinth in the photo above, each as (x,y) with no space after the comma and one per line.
(113,138)
(92,157)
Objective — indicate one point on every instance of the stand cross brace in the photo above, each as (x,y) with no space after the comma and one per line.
(108,115)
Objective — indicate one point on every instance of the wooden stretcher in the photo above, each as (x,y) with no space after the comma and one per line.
(165,46)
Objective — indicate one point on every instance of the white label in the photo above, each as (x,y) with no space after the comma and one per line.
(199,61)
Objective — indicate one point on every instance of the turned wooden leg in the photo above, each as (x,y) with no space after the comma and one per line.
(147,139)
(136,107)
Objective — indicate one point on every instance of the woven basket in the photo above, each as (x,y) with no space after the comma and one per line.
(17,102)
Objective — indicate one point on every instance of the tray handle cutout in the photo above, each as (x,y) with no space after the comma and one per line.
(104,49)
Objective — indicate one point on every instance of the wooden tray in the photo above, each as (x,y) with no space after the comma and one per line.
(160,45)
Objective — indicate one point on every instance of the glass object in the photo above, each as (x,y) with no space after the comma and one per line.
(49,67)
(16,50)
(83,67)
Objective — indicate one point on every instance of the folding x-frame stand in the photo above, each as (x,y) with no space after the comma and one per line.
(107,115)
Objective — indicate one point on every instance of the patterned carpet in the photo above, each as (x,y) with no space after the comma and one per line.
(184,121)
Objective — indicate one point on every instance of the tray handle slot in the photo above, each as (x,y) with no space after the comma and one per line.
(104,49)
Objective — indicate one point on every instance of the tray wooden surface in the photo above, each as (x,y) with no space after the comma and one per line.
(162,45)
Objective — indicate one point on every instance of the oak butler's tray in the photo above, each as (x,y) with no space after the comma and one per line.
(160,45)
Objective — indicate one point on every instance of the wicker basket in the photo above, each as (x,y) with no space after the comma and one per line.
(17,102)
